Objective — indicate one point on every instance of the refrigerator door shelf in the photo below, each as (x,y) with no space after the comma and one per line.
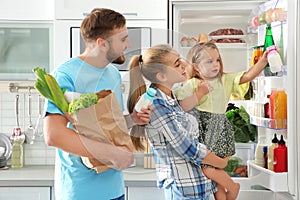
(269,123)
(277,182)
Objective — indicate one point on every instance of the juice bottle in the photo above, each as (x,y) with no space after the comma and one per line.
(272,107)
(278,108)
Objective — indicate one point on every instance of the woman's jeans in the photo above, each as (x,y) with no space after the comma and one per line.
(172,193)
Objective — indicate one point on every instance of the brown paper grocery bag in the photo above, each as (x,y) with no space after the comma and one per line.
(103,122)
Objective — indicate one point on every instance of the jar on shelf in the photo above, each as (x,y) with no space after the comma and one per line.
(257,54)
(17,149)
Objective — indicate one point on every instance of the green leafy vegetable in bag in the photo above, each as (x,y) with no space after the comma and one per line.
(85,100)
(240,120)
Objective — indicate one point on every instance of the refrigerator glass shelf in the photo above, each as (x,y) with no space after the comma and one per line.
(268,123)
(226,36)
(222,45)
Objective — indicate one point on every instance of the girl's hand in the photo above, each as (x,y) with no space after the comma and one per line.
(203,88)
(264,56)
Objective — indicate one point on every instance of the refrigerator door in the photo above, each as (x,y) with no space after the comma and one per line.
(293,89)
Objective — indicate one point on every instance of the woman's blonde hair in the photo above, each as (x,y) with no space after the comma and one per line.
(196,53)
(148,65)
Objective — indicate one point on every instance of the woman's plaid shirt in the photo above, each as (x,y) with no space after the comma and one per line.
(173,135)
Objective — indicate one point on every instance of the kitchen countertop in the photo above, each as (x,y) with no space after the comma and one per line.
(37,175)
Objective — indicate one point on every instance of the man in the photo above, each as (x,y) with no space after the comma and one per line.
(106,38)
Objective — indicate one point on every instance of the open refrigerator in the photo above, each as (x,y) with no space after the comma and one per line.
(193,19)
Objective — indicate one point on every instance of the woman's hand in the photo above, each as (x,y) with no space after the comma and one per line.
(143,117)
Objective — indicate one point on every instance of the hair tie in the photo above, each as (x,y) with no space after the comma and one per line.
(141,59)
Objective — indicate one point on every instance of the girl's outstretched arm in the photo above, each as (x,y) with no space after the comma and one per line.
(255,70)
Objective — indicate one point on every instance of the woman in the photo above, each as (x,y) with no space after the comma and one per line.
(173,133)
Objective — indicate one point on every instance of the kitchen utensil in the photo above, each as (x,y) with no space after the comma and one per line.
(17,119)
(17,110)
(36,128)
(2,150)
(30,130)
(5,142)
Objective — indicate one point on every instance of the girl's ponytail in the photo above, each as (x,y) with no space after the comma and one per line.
(137,88)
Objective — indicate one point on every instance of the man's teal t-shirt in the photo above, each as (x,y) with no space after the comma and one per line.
(73,180)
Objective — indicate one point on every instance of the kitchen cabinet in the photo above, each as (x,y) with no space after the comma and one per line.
(27,10)
(145,193)
(132,9)
(30,182)
(25,193)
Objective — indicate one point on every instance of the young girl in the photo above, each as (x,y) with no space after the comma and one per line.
(173,133)
(216,131)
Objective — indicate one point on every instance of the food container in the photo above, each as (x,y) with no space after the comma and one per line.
(257,54)
(2,150)
(184,41)
(192,41)
(3,161)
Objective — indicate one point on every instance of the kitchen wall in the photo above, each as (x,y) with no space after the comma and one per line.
(37,153)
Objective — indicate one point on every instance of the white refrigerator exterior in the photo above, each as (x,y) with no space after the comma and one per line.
(189,18)
(293,89)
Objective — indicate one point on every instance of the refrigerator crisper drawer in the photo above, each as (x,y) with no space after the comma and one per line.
(277,182)
(247,192)
(245,151)
(253,194)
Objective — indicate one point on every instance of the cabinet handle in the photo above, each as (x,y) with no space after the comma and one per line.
(85,14)
(130,14)
(125,14)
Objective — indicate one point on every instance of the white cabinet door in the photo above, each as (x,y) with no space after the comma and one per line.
(131,9)
(145,193)
(27,10)
(25,193)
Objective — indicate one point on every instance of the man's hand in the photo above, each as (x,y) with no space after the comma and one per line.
(124,158)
